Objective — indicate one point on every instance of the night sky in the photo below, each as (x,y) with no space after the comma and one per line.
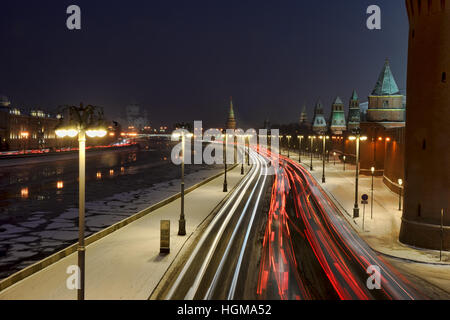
(181,60)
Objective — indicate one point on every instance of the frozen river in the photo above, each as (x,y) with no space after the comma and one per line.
(38,200)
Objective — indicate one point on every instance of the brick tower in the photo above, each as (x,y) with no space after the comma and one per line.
(319,124)
(231,122)
(427,153)
(337,121)
(354,113)
(303,116)
(386,102)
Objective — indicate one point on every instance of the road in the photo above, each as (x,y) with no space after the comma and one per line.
(307,251)
(310,251)
(217,267)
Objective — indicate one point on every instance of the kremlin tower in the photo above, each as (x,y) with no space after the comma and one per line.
(354,113)
(386,102)
(337,121)
(231,122)
(427,153)
(319,124)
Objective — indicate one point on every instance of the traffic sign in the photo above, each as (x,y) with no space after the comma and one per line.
(365,197)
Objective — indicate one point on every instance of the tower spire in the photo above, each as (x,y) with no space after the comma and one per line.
(303,115)
(231,122)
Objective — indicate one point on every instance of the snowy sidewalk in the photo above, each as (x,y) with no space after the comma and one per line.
(381,232)
(126,264)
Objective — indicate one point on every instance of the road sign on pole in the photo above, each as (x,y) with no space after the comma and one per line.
(364,201)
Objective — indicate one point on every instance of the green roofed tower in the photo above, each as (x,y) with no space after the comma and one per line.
(354,113)
(319,124)
(386,102)
(231,121)
(303,116)
(337,121)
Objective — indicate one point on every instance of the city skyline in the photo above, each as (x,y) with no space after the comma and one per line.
(222,51)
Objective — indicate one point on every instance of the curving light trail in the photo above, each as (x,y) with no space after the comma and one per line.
(301,209)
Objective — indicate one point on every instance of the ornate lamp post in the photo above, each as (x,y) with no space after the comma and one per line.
(334,158)
(82,121)
(344,157)
(248,149)
(371,195)
(311,164)
(324,140)
(289,144)
(243,157)
(182,221)
(357,138)
(400,183)
(225,184)
(280,152)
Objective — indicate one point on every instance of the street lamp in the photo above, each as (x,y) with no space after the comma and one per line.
(280,152)
(311,164)
(334,158)
(248,149)
(300,138)
(324,140)
(344,157)
(400,182)
(225,184)
(243,158)
(371,195)
(182,221)
(289,144)
(82,121)
(357,138)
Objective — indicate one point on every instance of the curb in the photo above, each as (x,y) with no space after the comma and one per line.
(40,265)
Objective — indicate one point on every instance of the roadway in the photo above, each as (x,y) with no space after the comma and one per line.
(311,252)
(304,250)
(218,265)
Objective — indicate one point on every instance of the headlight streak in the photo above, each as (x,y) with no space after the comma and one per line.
(233,201)
(334,244)
(227,250)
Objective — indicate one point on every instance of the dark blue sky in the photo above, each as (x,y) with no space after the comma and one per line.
(182,60)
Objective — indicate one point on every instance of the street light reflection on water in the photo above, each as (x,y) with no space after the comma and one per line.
(24,193)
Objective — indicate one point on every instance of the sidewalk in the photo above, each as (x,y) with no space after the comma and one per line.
(126,264)
(382,232)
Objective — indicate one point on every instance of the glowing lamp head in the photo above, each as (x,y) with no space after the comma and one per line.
(363,138)
(72,133)
(352,138)
(372,169)
(61,133)
(92,133)
(400,181)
